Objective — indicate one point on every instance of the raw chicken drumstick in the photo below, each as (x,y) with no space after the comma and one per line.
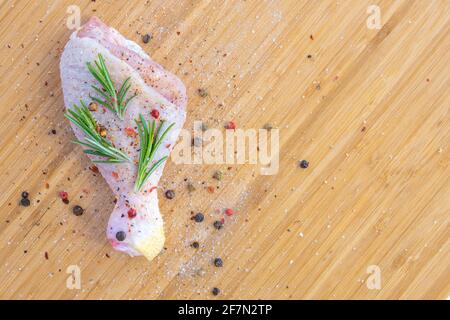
(135,225)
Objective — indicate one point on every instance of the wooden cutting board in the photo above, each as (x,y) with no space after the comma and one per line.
(367,107)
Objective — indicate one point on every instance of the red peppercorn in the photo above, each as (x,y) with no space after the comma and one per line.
(63,195)
(229,212)
(155,114)
(231,125)
(132,213)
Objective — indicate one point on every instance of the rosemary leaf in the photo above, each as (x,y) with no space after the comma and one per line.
(94,143)
(113,99)
(150,140)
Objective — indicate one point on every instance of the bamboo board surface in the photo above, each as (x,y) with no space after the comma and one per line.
(368,108)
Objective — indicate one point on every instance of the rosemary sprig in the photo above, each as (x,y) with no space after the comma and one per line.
(150,140)
(113,99)
(94,142)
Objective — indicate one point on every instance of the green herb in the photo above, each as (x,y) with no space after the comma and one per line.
(114,99)
(96,144)
(150,140)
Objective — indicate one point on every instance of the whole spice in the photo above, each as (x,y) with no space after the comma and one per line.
(215,291)
(190,187)
(229,212)
(202,92)
(170,194)
(132,213)
(77,210)
(121,235)
(218,262)
(304,164)
(146,38)
(155,114)
(25,194)
(218,224)
(199,217)
(25,202)
(93,106)
(230,125)
(195,245)
(218,175)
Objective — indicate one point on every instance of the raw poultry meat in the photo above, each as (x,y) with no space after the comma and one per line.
(135,226)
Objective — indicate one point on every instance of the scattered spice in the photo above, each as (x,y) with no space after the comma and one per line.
(77,210)
(94,169)
(53,131)
(230,125)
(46,255)
(218,262)
(25,194)
(115,175)
(132,213)
(218,175)
(121,235)
(190,187)
(202,92)
(215,291)
(195,245)
(229,212)
(101,130)
(199,217)
(63,195)
(155,113)
(146,38)
(304,164)
(210,189)
(93,106)
(25,202)
(130,132)
(170,194)
(218,224)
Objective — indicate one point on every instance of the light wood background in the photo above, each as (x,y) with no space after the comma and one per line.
(368,109)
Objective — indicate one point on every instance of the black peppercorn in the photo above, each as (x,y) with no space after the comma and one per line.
(215,291)
(304,164)
(218,262)
(195,245)
(146,38)
(25,202)
(121,235)
(25,194)
(170,194)
(77,210)
(199,217)
(218,224)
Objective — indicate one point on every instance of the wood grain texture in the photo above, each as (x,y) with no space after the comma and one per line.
(368,109)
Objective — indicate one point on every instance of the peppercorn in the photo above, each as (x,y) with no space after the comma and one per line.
(202,92)
(195,245)
(218,175)
(304,164)
(218,262)
(25,202)
(77,210)
(190,187)
(121,235)
(146,38)
(215,291)
(25,194)
(218,224)
(53,131)
(93,106)
(199,217)
(170,194)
